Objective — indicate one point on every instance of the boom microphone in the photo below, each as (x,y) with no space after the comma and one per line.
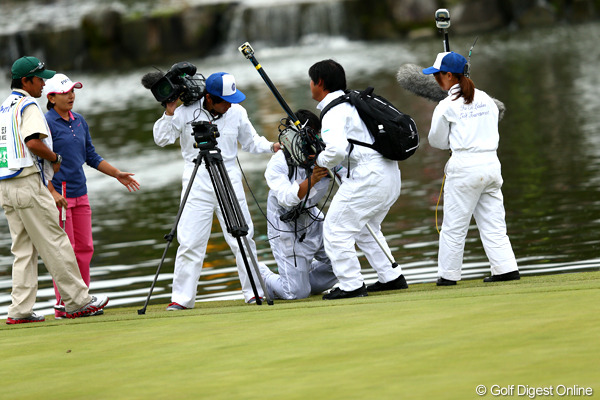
(501,108)
(411,78)
(151,78)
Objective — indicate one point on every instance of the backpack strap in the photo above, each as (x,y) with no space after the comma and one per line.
(346,98)
(342,99)
(356,142)
(361,95)
(349,152)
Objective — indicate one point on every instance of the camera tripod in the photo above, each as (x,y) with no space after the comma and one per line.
(232,214)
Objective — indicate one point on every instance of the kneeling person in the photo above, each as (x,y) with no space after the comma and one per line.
(297,242)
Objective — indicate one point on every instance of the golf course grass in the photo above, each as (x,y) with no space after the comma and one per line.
(426,342)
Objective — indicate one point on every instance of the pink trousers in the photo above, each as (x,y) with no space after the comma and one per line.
(79,229)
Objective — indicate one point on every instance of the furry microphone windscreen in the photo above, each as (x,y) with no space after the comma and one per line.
(151,78)
(412,78)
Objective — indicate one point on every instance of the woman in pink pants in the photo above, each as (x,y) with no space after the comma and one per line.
(72,141)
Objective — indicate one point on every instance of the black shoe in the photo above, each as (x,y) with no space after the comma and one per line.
(396,284)
(338,293)
(509,276)
(445,282)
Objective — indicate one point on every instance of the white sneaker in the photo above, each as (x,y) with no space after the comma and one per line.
(96,304)
(176,307)
(253,300)
(32,318)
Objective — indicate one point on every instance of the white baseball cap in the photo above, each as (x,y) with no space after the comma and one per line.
(60,83)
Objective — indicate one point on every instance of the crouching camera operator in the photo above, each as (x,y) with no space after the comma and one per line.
(296,224)
(217,103)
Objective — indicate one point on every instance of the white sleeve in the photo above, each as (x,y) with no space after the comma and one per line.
(277,174)
(251,141)
(439,134)
(165,130)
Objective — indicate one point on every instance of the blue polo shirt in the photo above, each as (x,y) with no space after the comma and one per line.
(71,139)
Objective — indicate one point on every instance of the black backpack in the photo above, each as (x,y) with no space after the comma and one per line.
(395,133)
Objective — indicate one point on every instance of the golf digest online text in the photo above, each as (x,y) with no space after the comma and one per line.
(533,392)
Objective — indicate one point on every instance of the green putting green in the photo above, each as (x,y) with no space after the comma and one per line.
(422,343)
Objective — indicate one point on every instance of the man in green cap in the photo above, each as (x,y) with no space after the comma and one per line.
(27,162)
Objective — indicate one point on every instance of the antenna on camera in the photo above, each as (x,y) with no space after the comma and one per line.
(468,65)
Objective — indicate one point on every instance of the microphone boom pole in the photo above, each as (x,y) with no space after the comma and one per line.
(248,52)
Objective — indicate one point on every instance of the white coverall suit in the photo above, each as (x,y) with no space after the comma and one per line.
(194,226)
(363,198)
(473,182)
(303,265)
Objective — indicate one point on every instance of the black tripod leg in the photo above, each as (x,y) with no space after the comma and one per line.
(248,271)
(258,274)
(169,237)
(241,221)
(142,311)
(232,213)
(225,198)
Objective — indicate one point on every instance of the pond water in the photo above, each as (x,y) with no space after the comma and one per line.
(549,149)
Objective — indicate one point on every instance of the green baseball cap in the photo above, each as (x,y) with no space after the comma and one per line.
(30,66)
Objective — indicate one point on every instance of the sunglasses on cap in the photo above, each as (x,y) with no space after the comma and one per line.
(40,67)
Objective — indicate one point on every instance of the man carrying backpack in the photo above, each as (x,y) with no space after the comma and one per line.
(365,196)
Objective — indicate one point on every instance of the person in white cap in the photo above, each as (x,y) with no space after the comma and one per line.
(72,140)
(28,205)
(466,122)
(219,105)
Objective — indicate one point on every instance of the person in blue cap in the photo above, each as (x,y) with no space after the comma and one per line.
(27,164)
(466,123)
(219,105)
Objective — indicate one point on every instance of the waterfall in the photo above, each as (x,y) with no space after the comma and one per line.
(287,24)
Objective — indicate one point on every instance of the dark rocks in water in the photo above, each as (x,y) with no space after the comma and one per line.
(112,38)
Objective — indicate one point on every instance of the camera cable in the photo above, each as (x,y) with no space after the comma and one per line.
(314,218)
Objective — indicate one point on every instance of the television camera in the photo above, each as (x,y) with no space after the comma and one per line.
(181,81)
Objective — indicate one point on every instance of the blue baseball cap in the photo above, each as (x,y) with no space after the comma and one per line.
(447,62)
(222,84)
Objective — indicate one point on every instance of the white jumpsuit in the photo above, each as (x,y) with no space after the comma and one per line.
(303,265)
(365,197)
(194,227)
(473,182)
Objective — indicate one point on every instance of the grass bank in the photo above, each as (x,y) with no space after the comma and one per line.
(423,343)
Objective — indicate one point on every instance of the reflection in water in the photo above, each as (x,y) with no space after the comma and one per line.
(549,149)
